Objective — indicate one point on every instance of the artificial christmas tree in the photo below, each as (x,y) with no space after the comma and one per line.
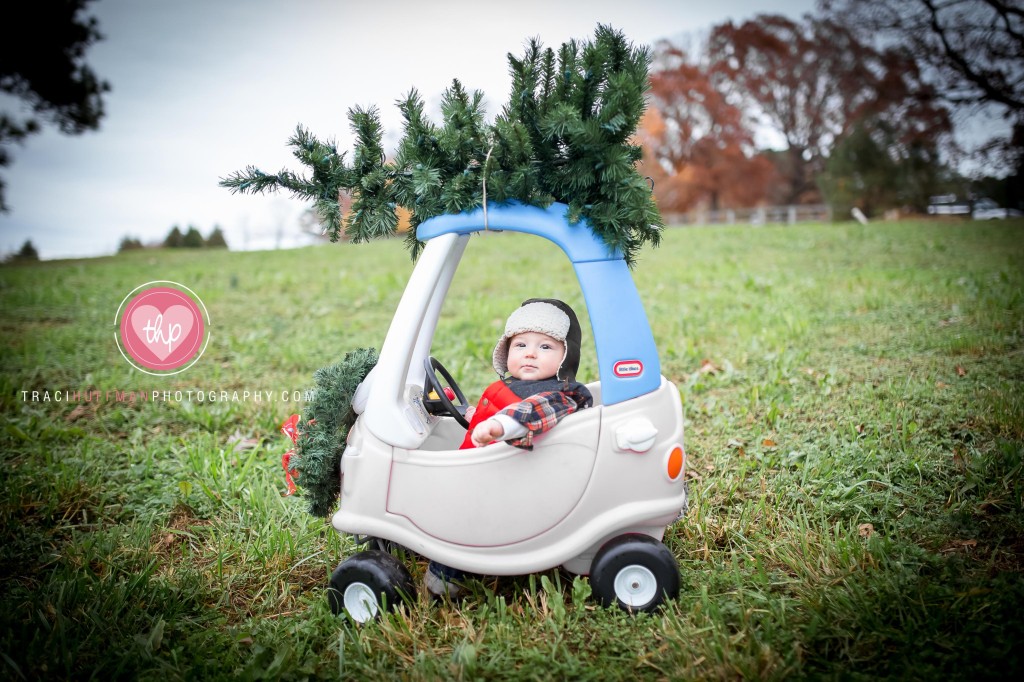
(564,135)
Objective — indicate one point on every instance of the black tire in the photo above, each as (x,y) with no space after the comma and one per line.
(368,582)
(634,572)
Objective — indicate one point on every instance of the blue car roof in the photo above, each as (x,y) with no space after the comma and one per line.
(577,241)
(627,356)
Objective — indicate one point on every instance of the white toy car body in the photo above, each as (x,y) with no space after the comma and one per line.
(608,479)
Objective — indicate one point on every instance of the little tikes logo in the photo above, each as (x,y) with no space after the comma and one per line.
(628,368)
(162,327)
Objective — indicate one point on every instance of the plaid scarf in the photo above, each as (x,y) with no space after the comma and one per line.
(541,411)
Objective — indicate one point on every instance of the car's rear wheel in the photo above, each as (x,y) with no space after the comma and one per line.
(367,583)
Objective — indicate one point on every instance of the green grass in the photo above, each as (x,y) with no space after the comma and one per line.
(855,431)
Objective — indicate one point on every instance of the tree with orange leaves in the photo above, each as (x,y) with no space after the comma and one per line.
(699,140)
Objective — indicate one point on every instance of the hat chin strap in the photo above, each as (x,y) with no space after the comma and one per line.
(565,354)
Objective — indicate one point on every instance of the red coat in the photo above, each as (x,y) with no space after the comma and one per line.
(496,397)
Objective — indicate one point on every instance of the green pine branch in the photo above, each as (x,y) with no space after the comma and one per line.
(564,135)
(324,428)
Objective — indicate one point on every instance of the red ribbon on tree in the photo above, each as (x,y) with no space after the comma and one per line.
(290,429)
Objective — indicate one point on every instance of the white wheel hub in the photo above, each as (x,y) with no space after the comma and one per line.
(635,585)
(360,602)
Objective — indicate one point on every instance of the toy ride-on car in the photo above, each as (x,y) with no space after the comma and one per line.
(595,494)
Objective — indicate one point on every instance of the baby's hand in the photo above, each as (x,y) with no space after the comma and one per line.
(470,411)
(487,432)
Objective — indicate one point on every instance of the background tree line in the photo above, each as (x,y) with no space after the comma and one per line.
(864,97)
(176,239)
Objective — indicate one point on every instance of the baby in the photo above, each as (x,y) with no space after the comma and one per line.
(540,351)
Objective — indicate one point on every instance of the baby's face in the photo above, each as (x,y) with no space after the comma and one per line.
(533,356)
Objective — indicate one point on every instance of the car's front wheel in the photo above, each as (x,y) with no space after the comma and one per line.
(634,572)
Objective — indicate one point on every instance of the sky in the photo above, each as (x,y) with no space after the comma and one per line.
(202,88)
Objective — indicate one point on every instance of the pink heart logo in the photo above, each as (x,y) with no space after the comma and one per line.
(162,332)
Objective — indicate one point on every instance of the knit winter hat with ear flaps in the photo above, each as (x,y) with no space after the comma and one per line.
(547,316)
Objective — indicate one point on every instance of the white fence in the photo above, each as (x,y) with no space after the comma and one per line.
(762,215)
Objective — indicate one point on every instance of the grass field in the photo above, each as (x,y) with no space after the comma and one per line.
(855,430)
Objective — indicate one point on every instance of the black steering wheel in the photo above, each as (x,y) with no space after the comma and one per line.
(443,404)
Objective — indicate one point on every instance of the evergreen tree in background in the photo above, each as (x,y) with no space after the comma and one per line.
(873,167)
(129,244)
(564,135)
(193,239)
(175,239)
(27,254)
(216,239)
